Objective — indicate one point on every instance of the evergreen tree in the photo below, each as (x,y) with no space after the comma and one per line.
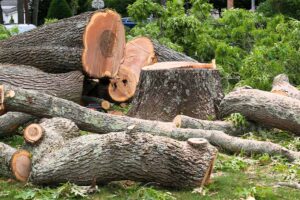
(59,9)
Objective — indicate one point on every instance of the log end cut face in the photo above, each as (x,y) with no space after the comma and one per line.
(33,133)
(123,87)
(104,44)
(21,165)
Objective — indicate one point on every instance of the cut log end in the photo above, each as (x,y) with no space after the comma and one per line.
(33,133)
(104,43)
(21,165)
(123,87)
(105,105)
(198,143)
(177,121)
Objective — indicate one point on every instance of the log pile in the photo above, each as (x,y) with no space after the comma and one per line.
(84,66)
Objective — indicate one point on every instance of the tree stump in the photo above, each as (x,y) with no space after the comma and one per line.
(164,93)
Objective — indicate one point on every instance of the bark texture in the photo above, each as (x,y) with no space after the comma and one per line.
(165,54)
(52,59)
(265,108)
(282,86)
(163,94)
(67,85)
(120,156)
(6,153)
(44,105)
(11,121)
(182,121)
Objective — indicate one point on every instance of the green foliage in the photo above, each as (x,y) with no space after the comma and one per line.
(59,9)
(50,21)
(231,164)
(238,120)
(4,33)
(118,5)
(249,48)
(290,8)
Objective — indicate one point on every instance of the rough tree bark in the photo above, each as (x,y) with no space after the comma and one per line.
(282,86)
(163,94)
(10,122)
(264,107)
(43,105)
(58,158)
(182,121)
(100,35)
(67,85)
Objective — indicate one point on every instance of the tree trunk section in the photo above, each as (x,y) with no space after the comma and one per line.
(20,9)
(101,158)
(67,85)
(182,121)
(282,86)
(10,122)
(266,108)
(43,105)
(138,54)
(99,36)
(164,93)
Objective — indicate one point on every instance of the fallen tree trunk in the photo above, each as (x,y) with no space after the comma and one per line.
(282,86)
(57,158)
(182,121)
(10,122)
(164,93)
(67,85)
(265,108)
(96,39)
(44,105)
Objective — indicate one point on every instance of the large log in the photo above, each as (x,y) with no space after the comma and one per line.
(182,121)
(164,93)
(281,85)
(67,85)
(58,158)
(92,40)
(138,54)
(43,105)
(266,108)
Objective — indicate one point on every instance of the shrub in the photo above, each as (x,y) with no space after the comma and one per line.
(59,9)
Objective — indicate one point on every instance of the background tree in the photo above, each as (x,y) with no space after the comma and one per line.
(20,9)
(59,9)
(84,5)
(1,14)
(119,5)
(290,8)
(35,11)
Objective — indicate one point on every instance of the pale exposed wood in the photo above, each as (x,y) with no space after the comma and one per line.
(282,86)
(180,64)
(266,108)
(104,42)
(33,133)
(21,165)
(98,122)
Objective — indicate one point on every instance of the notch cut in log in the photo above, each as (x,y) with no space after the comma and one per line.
(162,94)
(138,54)
(44,105)
(92,42)
(33,133)
(104,51)
(266,108)
(281,85)
(182,65)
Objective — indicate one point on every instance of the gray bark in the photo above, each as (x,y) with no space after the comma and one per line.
(165,54)
(163,94)
(10,122)
(6,153)
(182,121)
(117,156)
(52,59)
(44,105)
(265,108)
